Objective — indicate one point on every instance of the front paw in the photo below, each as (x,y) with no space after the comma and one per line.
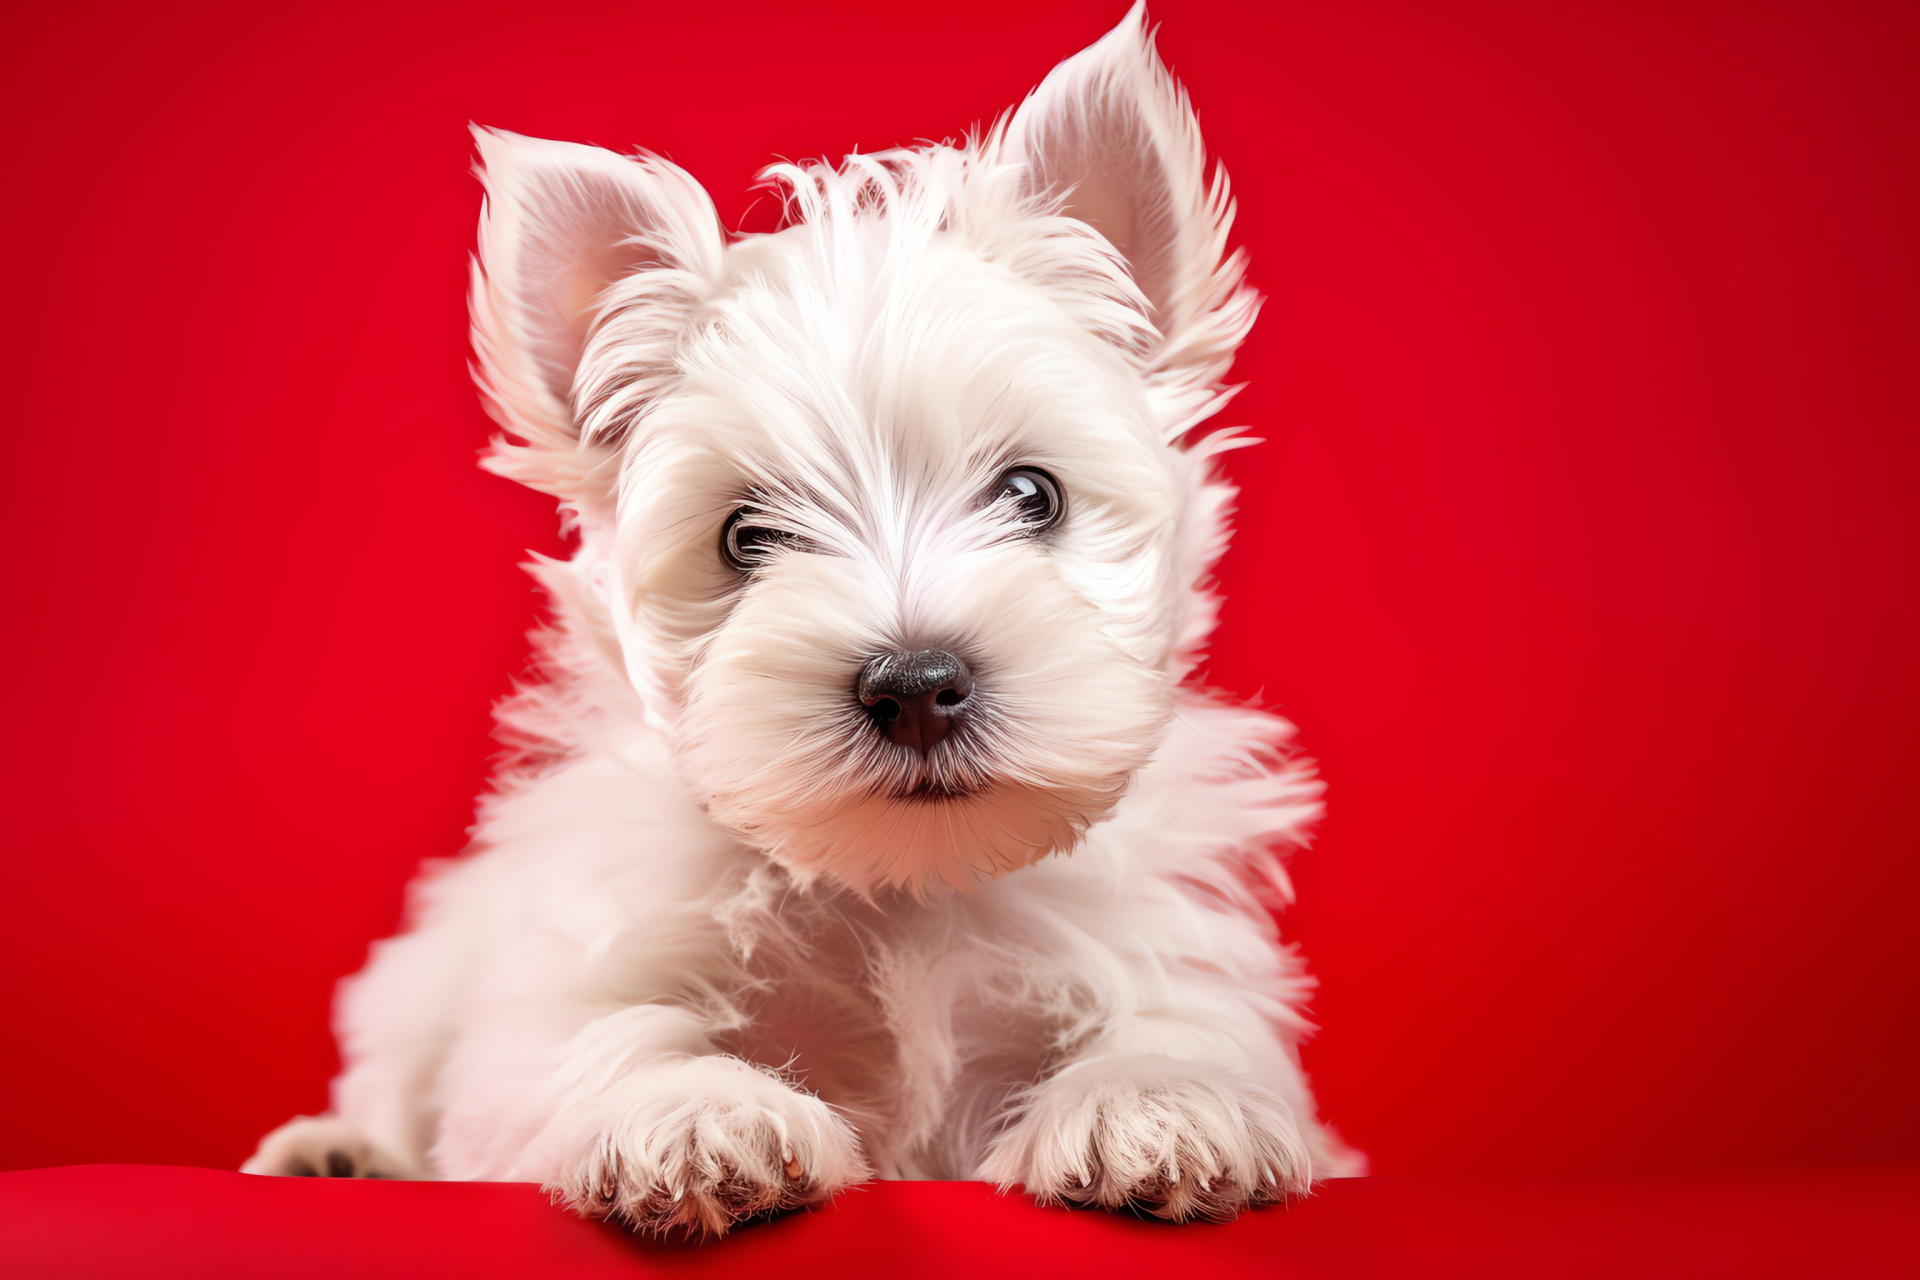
(1178,1140)
(707,1142)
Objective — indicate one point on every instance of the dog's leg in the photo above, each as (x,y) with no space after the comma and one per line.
(325,1147)
(394,1029)
(650,1125)
(1168,1116)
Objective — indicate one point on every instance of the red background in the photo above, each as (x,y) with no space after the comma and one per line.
(1583,549)
(191,1224)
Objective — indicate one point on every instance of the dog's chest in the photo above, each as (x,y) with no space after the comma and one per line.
(891,1018)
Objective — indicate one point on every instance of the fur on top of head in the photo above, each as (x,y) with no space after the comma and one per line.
(1053,293)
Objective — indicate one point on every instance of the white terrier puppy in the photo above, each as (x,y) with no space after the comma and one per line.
(863,822)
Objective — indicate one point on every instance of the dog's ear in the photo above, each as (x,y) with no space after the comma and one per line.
(574,239)
(1111,136)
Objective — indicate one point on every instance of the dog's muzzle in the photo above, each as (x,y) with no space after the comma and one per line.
(915,698)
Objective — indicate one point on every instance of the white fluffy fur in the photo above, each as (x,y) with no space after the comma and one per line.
(707,957)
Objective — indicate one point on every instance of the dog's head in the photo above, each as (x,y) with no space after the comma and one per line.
(896,514)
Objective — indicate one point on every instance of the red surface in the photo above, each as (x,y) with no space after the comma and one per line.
(159,1223)
(1584,548)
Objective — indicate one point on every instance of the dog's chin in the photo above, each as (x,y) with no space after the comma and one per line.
(921,838)
(855,811)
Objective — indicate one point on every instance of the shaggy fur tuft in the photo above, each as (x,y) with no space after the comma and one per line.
(726,942)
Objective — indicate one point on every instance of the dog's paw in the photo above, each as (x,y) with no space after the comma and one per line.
(1178,1140)
(708,1143)
(323,1147)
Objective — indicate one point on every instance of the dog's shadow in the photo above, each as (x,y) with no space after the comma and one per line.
(778,1235)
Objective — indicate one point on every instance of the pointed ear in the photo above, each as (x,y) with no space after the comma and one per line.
(565,232)
(1110,136)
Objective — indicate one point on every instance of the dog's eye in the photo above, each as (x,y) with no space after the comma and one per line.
(1037,496)
(745,542)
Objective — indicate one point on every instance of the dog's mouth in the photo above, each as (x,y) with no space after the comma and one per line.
(936,791)
(951,770)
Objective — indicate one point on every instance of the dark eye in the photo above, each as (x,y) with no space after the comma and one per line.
(745,543)
(1036,494)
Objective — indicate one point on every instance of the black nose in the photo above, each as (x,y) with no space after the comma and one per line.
(914,698)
